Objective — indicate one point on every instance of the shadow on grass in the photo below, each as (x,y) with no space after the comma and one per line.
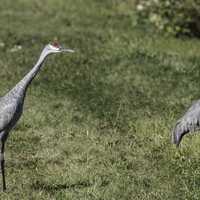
(57,187)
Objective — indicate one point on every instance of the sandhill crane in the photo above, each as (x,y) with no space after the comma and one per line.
(11,105)
(190,122)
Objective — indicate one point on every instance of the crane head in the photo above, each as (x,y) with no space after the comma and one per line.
(56,48)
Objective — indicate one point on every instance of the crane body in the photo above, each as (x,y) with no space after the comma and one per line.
(11,105)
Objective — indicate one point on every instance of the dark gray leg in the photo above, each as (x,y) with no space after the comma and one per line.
(2,164)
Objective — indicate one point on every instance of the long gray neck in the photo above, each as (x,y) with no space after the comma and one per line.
(21,87)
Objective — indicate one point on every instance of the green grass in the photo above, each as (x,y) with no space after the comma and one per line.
(97,124)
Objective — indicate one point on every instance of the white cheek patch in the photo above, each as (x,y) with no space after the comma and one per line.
(53,47)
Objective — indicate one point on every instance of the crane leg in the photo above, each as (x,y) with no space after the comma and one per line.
(2,164)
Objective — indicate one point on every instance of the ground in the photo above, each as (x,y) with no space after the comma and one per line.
(97,123)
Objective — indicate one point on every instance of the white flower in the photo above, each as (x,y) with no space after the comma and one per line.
(140,7)
(154,18)
(148,3)
(156,1)
(167,3)
(16,48)
(2,44)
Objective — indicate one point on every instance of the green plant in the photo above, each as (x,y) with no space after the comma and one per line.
(169,16)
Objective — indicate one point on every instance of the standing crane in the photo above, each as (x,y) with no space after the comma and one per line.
(11,105)
(190,122)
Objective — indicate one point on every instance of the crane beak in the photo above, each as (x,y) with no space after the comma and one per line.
(67,50)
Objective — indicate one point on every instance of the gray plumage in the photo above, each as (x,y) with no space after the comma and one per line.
(11,105)
(190,122)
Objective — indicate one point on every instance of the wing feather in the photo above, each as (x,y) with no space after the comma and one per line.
(7,112)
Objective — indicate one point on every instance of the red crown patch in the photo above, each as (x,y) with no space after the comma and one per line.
(56,44)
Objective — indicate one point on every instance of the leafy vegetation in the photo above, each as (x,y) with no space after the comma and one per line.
(97,124)
(169,16)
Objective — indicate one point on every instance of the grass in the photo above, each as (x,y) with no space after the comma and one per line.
(97,124)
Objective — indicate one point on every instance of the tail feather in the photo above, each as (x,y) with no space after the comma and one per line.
(177,134)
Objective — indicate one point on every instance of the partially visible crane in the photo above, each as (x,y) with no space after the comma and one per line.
(11,105)
(190,122)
